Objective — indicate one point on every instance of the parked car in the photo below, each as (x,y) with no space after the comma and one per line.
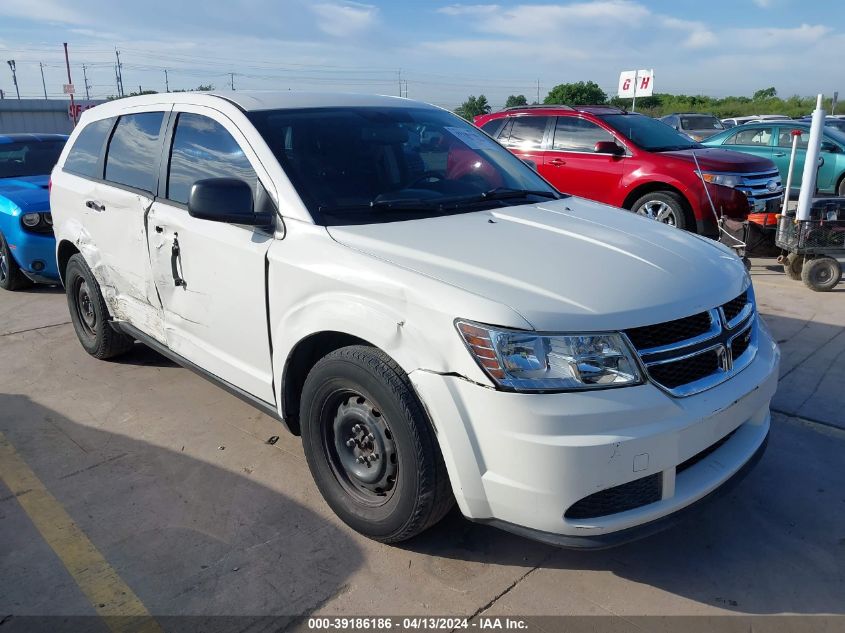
(27,247)
(741,120)
(435,319)
(695,125)
(774,141)
(830,121)
(632,161)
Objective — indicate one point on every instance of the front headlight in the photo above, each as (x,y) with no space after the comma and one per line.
(527,361)
(31,219)
(726,180)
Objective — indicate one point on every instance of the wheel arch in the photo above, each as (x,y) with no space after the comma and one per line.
(65,250)
(650,187)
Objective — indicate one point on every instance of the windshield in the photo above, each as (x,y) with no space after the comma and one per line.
(701,123)
(30,158)
(359,165)
(649,134)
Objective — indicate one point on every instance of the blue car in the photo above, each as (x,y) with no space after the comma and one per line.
(27,245)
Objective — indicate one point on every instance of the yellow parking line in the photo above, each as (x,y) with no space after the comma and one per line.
(112,598)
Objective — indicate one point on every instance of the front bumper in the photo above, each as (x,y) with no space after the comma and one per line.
(520,461)
(32,249)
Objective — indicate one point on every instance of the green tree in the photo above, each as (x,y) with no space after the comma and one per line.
(472,107)
(765,93)
(580,93)
(515,101)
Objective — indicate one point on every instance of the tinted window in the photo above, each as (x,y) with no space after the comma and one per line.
(572,133)
(753,136)
(491,127)
(85,153)
(134,149)
(359,165)
(648,133)
(202,148)
(701,123)
(30,158)
(785,137)
(527,132)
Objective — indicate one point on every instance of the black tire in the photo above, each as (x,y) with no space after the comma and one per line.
(792,266)
(89,313)
(11,277)
(821,274)
(655,203)
(840,190)
(407,487)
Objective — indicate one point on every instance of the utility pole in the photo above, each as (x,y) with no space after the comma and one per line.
(43,85)
(406,88)
(399,73)
(232,80)
(166,83)
(116,81)
(119,74)
(538,92)
(11,63)
(70,82)
(85,76)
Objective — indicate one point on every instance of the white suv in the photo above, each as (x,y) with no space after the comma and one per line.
(435,320)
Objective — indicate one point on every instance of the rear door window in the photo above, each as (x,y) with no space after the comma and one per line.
(758,136)
(83,158)
(578,135)
(202,148)
(133,153)
(527,132)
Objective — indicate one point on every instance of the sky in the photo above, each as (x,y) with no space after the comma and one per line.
(445,51)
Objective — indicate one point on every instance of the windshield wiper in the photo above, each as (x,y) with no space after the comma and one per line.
(503,193)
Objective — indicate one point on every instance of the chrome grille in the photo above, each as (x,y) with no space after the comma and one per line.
(755,186)
(692,354)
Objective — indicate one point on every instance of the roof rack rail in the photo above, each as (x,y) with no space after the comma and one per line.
(539,105)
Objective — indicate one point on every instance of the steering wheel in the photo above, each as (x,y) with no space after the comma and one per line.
(427,175)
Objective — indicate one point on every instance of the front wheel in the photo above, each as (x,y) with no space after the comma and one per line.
(792,266)
(664,206)
(89,313)
(821,274)
(370,446)
(11,277)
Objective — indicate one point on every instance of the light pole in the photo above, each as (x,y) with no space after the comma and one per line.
(11,63)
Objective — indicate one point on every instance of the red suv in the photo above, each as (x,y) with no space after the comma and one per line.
(632,161)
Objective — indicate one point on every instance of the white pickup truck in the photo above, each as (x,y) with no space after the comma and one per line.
(435,320)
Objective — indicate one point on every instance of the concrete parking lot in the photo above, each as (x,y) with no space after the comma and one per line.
(152,491)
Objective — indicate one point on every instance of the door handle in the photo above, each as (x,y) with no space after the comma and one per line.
(159,229)
(175,253)
(557,162)
(779,154)
(96,206)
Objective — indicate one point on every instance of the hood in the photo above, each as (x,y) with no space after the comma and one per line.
(29,193)
(568,264)
(712,159)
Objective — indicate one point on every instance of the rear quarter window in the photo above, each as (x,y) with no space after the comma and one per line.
(84,156)
(133,153)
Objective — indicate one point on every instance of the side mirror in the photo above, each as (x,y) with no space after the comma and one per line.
(225,200)
(608,147)
(530,163)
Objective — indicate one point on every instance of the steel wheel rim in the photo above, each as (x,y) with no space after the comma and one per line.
(85,307)
(822,274)
(658,210)
(359,447)
(4,264)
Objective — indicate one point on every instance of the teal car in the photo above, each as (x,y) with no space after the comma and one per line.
(773,140)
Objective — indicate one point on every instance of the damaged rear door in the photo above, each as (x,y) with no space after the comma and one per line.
(211,276)
(116,215)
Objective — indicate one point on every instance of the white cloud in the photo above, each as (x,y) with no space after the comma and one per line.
(763,37)
(345,19)
(41,10)
(468,9)
(530,19)
(698,34)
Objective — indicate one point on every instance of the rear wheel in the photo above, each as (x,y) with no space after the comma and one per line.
(821,274)
(370,446)
(11,277)
(89,313)
(841,188)
(664,206)
(792,266)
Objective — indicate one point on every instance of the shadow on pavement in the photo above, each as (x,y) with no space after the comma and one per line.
(188,536)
